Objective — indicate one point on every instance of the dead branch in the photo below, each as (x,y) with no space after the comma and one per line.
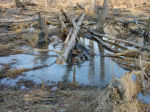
(103,44)
(141,31)
(115,39)
(128,53)
(65,15)
(80,6)
(13,20)
(71,42)
(63,26)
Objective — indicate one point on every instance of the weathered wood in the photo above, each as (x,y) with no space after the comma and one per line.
(141,31)
(71,43)
(13,20)
(147,34)
(17,3)
(128,53)
(93,4)
(116,39)
(63,27)
(112,38)
(104,44)
(68,36)
(147,37)
(44,31)
(80,6)
(102,17)
(85,52)
(46,3)
(65,15)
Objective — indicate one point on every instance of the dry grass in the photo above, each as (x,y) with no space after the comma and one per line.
(132,88)
(113,3)
(15,72)
(7,5)
(110,100)
(43,100)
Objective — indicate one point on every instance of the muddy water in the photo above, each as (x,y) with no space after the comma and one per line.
(97,71)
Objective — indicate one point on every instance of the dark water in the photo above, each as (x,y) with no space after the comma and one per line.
(98,71)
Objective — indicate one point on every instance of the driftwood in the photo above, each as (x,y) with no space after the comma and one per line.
(71,41)
(122,41)
(102,43)
(128,53)
(115,44)
(116,39)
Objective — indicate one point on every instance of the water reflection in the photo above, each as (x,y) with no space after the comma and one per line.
(74,74)
(42,58)
(67,72)
(96,72)
(91,70)
(102,62)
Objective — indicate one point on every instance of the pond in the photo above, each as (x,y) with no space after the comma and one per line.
(97,71)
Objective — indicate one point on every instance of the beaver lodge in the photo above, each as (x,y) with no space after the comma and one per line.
(74,56)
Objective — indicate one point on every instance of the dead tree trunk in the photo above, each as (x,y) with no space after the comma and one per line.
(17,3)
(44,31)
(63,26)
(93,5)
(102,17)
(71,41)
(147,34)
(46,3)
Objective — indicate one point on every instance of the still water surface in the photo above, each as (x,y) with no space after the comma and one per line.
(97,71)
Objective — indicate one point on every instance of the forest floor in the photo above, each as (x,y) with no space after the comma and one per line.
(20,27)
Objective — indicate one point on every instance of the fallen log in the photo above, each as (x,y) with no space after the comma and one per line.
(14,20)
(127,53)
(102,43)
(115,44)
(71,42)
(116,39)
(85,53)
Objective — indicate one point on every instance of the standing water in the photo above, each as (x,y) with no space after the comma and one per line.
(97,71)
